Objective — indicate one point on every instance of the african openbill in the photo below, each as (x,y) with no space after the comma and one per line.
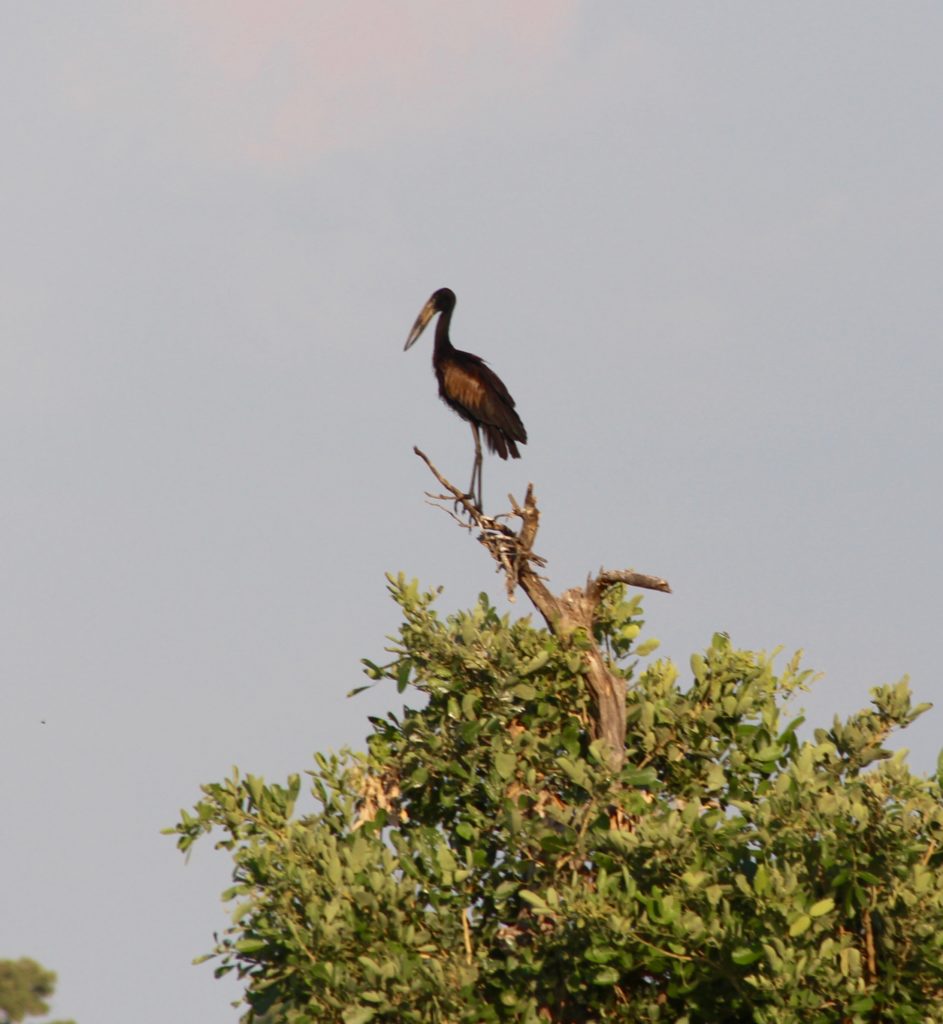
(466,384)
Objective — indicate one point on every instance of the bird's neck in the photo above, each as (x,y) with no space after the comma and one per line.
(442,343)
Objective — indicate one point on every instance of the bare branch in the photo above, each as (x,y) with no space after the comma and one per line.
(465,500)
(595,588)
(633,579)
(573,610)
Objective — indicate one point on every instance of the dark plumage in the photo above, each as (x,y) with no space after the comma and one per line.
(468,386)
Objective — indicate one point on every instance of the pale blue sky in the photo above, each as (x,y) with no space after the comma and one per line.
(700,243)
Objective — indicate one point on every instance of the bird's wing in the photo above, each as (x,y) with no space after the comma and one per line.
(476,387)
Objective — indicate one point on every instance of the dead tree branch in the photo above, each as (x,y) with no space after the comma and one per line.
(575,609)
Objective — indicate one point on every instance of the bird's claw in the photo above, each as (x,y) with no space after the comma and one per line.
(461,504)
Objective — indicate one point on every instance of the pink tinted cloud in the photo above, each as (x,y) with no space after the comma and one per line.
(283,83)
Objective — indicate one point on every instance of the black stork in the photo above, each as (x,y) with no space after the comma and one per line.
(468,386)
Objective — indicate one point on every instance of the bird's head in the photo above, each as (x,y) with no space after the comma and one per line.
(441,301)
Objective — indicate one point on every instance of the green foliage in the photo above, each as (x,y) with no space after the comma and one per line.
(479,862)
(24,988)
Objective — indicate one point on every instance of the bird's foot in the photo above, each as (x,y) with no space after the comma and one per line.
(461,504)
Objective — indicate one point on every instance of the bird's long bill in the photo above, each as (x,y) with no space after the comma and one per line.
(428,312)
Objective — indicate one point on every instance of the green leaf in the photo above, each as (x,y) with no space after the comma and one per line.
(255,786)
(825,906)
(744,956)
(800,925)
(538,661)
(600,954)
(358,1015)
(761,880)
(250,945)
(716,777)
(505,763)
(445,859)
(536,901)
(720,641)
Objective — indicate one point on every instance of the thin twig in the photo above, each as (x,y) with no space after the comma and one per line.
(869,945)
(461,498)
(467,933)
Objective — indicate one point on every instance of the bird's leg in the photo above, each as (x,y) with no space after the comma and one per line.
(476,468)
(473,494)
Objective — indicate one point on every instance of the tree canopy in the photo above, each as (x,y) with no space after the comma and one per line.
(25,986)
(484,860)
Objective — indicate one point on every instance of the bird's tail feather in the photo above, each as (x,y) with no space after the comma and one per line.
(499,442)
